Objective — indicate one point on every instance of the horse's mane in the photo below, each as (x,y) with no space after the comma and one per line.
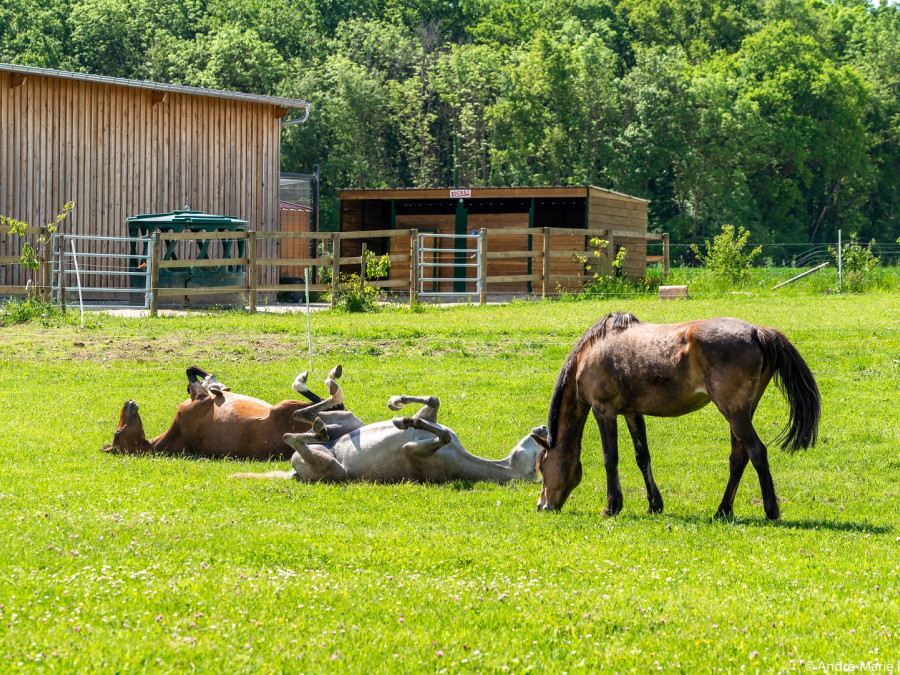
(616,321)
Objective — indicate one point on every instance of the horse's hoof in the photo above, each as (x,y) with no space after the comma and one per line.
(402,422)
(395,403)
(722,514)
(611,511)
(655,508)
(300,383)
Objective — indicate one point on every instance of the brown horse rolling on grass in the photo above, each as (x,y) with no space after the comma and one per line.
(623,366)
(214,422)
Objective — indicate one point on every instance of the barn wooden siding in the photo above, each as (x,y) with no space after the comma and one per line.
(119,151)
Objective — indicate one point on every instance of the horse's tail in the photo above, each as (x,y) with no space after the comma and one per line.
(796,381)
(282,475)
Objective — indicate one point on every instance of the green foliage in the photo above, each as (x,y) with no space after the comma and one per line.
(725,256)
(31,254)
(857,264)
(377,267)
(15,310)
(357,296)
(783,117)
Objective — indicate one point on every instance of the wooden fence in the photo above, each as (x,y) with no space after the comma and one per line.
(542,275)
(41,275)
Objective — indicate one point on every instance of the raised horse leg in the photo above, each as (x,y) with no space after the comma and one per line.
(638,430)
(334,400)
(426,448)
(609,436)
(428,412)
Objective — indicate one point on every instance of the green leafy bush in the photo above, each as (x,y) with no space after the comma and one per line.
(355,296)
(857,264)
(16,310)
(725,256)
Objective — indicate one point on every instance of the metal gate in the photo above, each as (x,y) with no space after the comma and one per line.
(85,265)
(445,263)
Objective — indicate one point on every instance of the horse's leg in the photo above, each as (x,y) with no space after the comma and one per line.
(738,461)
(742,428)
(609,436)
(426,448)
(300,387)
(638,430)
(741,452)
(334,401)
(427,413)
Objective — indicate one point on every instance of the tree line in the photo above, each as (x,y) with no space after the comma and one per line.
(781,116)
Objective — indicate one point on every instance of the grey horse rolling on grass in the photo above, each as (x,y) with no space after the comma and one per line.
(416,448)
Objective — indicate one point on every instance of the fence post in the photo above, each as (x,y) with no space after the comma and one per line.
(335,266)
(251,269)
(611,252)
(665,243)
(413,267)
(62,273)
(482,266)
(545,290)
(154,273)
(45,269)
(840,265)
(362,267)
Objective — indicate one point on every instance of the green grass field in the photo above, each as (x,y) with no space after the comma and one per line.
(123,564)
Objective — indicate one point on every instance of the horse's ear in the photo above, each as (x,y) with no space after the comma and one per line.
(539,461)
(541,441)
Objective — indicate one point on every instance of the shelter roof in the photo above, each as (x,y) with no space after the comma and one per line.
(504,192)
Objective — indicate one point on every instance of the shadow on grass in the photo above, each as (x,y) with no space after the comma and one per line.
(787,523)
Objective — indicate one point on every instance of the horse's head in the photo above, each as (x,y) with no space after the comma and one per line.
(561,472)
(129,437)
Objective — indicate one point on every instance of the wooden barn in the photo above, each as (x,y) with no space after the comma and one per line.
(119,148)
(464,211)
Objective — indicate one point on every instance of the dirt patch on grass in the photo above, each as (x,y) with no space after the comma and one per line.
(64,345)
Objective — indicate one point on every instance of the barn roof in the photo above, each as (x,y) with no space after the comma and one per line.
(158,86)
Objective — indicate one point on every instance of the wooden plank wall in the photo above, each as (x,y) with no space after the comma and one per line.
(119,151)
(294,220)
(611,211)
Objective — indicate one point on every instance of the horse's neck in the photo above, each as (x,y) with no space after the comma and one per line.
(168,441)
(571,417)
(472,467)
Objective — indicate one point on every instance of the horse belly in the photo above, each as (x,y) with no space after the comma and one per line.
(672,406)
(376,453)
(242,438)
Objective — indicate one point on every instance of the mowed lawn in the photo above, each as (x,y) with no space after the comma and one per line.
(132,564)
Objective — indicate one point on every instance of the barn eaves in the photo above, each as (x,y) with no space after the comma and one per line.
(283,105)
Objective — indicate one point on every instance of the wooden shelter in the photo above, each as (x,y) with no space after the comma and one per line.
(464,211)
(119,148)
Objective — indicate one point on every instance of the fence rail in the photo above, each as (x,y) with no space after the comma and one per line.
(42,279)
(357,263)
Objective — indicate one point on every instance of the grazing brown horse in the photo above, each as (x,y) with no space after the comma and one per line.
(622,366)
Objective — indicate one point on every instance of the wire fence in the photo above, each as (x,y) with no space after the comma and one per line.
(786,255)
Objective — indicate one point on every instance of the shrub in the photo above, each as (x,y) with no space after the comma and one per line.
(15,310)
(355,296)
(31,256)
(857,264)
(725,256)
